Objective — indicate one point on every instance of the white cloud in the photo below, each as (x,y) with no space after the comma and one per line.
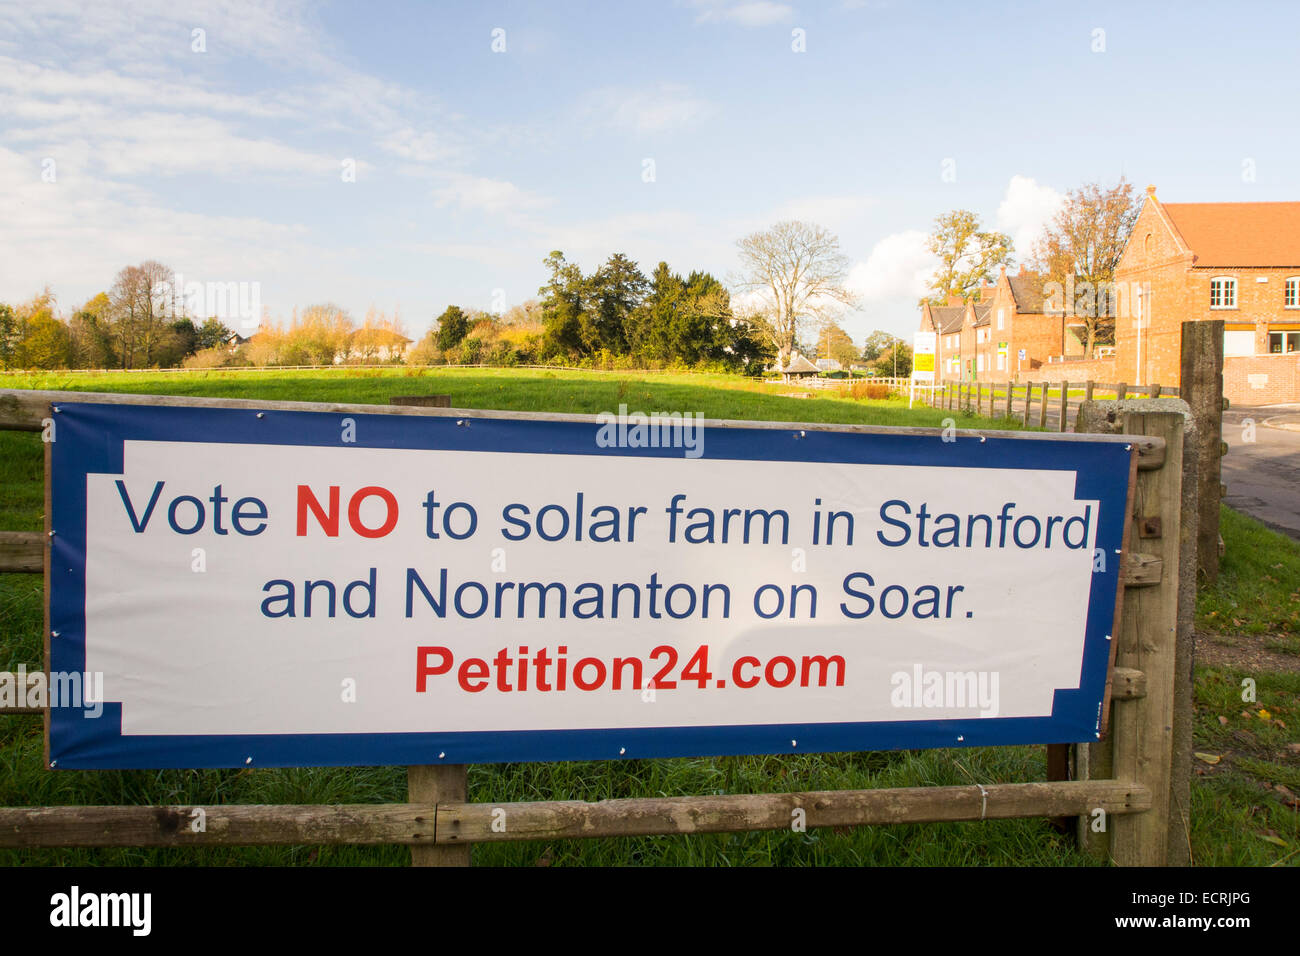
(668,106)
(756,13)
(482,193)
(898,267)
(1025,209)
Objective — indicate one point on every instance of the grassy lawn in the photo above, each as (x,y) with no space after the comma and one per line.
(1236,820)
(532,390)
(1258,591)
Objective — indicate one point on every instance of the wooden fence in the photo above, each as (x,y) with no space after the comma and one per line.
(1033,403)
(1126,778)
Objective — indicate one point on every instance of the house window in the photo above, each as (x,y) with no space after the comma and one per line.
(1001,312)
(1291,297)
(979,364)
(1279,342)
(1002,361)
(1223,293)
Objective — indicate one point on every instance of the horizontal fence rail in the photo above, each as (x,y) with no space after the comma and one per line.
(452,823)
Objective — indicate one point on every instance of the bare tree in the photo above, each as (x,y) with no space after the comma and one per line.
(140,307)
(1084,242)
(798,270)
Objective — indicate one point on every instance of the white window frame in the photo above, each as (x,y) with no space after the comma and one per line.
(1285,336)
(1001,318)
(1291,292)
(1226,292)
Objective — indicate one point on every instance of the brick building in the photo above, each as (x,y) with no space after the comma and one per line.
(1238,261)
(981,340)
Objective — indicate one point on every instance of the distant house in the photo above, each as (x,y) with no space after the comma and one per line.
(981,340)
(829,365)
(946,322)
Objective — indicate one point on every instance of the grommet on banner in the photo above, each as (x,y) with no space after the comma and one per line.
(621,751)
(442,755)
(261,414)
(54,633)
(248,761)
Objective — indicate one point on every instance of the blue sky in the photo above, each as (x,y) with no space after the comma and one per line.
(471,165)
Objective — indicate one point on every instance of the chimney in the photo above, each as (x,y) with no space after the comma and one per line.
(1002,271)
(1151,191)
(954,299)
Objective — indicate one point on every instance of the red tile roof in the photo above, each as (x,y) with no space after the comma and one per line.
(1239,233)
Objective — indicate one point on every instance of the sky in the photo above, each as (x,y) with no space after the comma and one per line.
(406,156)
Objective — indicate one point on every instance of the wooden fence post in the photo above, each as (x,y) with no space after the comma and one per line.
(1087,390)
(1009,388)
(435,783)
(1065,405)
(1029,391)
(1149,738)
(1042,406)
(1201,386)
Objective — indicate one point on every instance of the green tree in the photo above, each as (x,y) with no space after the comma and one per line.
(8,336)
(91,335)
(834,343)
(563,301)
(968,256)
(614,292)
(876,343)
(213,333)
(453,325)
(45,344)
(885,364)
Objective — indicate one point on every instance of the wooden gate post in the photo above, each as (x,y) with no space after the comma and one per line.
(1148,740)
(1201,387)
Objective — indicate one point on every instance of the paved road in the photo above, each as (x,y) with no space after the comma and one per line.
(1263,475)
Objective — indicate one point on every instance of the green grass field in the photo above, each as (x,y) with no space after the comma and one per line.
(1235,821)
